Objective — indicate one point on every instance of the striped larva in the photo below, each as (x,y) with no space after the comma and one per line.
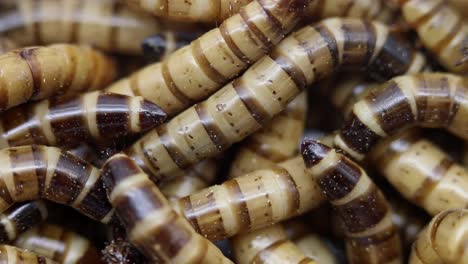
(251,201)
(427,100)
(34,172)
(19,218)
(59,244)
(274,143)
(94,118)
(265,89)
(36,73)
(105,24)
(14,255)
(441,29)
(161,45)
(268,245)
(199,69)
(371,236)
(422,172)
(152,225)
(443,240)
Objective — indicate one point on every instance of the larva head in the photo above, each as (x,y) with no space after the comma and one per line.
(313,152)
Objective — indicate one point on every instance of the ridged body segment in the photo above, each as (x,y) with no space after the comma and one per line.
(14,255)
(20,218)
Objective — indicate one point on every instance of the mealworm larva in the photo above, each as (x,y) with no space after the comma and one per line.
(274,143)
(265,89)
(371,236)
(105,24)
(443,240)
(268,245)
(14,255)
(251,201)
(422,172)
(94,118)
(427,100)
(151,223)
(34,172)
(441,30)
(20,218)
(59,244)
(161,45)
(39,72)
(196,71)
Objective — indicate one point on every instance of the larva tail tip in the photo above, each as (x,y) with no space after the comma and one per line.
(313,152)
(151,115)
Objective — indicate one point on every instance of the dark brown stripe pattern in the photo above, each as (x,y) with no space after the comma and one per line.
(21,217)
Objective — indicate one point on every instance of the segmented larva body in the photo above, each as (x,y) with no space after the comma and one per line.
(443,240)
(252,201)
(194,179)
(36,73)
(88,153)
(441,30)
(152,225)
(196,71)
(14,255)
(33,172)
(268,245)
(59,244)
(422,172)
(20,218)
(274,143)
(161,45)
(105,24)
(95,118)
(371,237)
(265,89)
(427,100)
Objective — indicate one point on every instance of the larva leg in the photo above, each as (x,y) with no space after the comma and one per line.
(152,225)
(265,89)
(161,45)
(33,172)
(20,218)
(427,100)
(14,255)
(367,217)
(39,72)
(59,244)
(443,240)
(94,118)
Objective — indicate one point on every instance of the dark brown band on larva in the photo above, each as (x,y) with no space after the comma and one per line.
(257,111)
(112,115)
(171,146)
(354,52)
(391,107)
(273,20)
(189,213)
(338,181)
(28,56)
(21,116)
(120,168)
(432,181)
(357,135)
(205,65)
(313,152)
(331,43)
(295,202)
(438,111)
(92,203)
(364,212)
(184,99)
(376,239)
(239,202)
(232,45)
(21,217)
(290,68)
(267,45)
(212,129)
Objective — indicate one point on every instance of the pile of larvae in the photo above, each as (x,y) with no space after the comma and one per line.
(234,131)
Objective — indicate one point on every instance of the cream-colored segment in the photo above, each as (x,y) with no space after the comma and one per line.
(9,227)
(106,219)
(3,140)
(406,86)
(381,35)
(432,32)
(331,159)
(419,63)
(315,248)
(127,184)
(135,104)
(97,17)
(339,143)
(364,183)
(380,227)
(53,156)
(367,116)
(414,10)
(19,78)
(93,177)
(41,111)
(77,247)
(89,108)
(334,25)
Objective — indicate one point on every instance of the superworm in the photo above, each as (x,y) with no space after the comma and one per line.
(39,72)
(194,72)
(20,218)
(14,255)
(442,31)
(265,89)
(422,172)
(161,45)
(371,236)
(105,24)
(426,100)
(151,223)
(251,201)
(268,245)
(277,141)
(34,172)
(443,240)
(59,244)
(94,118)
